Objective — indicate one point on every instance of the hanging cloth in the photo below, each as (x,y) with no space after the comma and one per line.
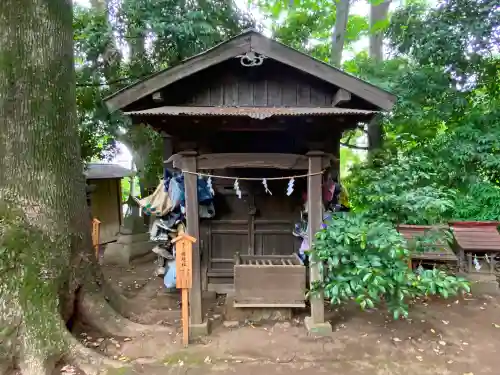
(158,203)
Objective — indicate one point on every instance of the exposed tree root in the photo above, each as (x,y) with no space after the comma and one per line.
(96,311)
(88,360)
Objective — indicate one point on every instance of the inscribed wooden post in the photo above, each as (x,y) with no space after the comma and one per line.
(184,276)
(96,224)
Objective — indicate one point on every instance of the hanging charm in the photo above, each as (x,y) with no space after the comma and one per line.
(210,187)
(477,265)
(266,189)
(487,258)
(237,188)
(289,189)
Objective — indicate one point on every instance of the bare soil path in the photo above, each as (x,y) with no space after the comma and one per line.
(456,336)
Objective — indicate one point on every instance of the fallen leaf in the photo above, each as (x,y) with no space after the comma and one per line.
(208,360)
(395,339)
(446,322)
(127,339)
(496,325)
(442,343)
(450,362)
(468,373)
(433,331)
(419,358)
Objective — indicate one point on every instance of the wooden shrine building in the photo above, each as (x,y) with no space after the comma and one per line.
(251,107)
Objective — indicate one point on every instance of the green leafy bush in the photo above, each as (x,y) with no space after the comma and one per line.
(402,190)
(367,261)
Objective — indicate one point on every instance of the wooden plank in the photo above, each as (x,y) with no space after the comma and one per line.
(260,93)
(341,96)
(253,160)
(193,228)
(269,305)
(184,261)
(216,55)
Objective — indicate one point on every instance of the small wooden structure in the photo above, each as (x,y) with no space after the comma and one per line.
(251,107)
(106,197)
(269,281)
(436,253)
(477,242)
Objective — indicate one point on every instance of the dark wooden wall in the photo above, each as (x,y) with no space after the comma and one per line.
(256,224)
(270,85)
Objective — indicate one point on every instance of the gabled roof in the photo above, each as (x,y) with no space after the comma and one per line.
(101,171)
(247,41)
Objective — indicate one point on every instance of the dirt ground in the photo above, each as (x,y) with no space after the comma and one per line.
(456,336)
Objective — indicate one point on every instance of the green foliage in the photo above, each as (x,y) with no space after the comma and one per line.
(401,191)
(367,261)
(307,25)
(157,34)
(442,140)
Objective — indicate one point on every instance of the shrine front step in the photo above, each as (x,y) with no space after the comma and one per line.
(255,314)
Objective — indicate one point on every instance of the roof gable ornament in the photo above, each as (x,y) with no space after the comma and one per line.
(251,58)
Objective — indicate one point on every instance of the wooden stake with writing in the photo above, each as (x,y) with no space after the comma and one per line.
(184,277)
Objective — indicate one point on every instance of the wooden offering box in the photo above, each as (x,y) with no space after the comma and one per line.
(269,281)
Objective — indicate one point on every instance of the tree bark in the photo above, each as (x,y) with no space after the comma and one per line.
(45,246)
(339,31)
(378,13)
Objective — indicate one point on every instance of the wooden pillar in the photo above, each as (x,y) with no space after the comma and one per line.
(193,229)
(167,150)
(316,322)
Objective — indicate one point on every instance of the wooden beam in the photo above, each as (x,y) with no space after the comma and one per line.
(193,229)
(251,160)
(325,72)
(150,85)
(341,96)
(315,217)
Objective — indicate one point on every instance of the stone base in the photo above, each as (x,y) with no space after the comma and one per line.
(199,330)
(126,249)
(126,239)
(254,314)
(317,329)
(483,284)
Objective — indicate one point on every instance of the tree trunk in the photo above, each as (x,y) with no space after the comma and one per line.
(338,35)
(42,188)
(45,245)
(378,14)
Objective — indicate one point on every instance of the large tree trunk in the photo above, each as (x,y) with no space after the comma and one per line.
(45,247)
(339,31)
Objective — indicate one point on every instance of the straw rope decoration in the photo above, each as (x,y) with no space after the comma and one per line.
(236,185)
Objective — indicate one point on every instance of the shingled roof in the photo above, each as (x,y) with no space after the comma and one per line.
(101,171)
